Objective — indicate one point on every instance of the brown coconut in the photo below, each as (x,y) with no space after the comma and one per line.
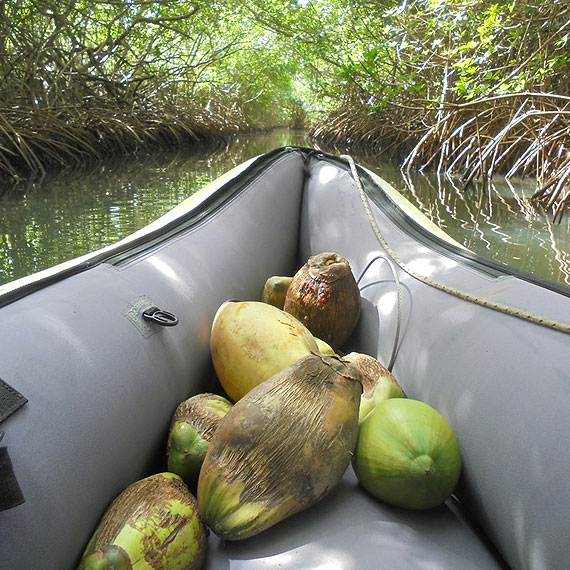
(324,296)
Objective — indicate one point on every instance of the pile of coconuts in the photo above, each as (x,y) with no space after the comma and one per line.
(295,414)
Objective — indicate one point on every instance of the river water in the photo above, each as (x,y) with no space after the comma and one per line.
(77,212)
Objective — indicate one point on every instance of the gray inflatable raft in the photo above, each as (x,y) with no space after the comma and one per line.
(485,346)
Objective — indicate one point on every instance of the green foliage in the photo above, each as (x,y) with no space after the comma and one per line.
(266,62)
(131,52)
(399,53)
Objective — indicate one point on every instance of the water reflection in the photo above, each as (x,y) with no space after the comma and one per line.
(75,213)
(78,212)
(495,221)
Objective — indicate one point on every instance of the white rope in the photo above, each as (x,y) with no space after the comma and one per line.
(399,303)
(494,305)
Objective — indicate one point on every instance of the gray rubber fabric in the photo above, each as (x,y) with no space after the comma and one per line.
(101,388)
(102,385)
(350,530)
(502,382)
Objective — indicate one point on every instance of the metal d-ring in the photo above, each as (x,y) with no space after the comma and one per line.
(160,317)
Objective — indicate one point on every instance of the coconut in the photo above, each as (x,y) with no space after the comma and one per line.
(192,427)
(281,448)
(407,454)
(324,296)
(153,523)
(378,383)
(275,289)
(251,341)
(324,348)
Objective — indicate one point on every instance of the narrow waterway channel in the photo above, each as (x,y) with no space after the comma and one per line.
(74,213)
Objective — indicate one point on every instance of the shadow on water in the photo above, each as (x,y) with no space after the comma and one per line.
(76,212)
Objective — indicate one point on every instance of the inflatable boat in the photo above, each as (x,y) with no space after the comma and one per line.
(96,354)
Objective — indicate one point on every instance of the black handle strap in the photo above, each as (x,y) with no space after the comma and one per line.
(10,493)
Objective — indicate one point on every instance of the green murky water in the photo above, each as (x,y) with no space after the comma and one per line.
(75,213)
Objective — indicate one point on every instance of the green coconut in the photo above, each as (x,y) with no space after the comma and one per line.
(378,383)
(251,341)
(275,289)
(324,296)
(152,525)
(407,454)
(281,448)
(192,427)
(324,347)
